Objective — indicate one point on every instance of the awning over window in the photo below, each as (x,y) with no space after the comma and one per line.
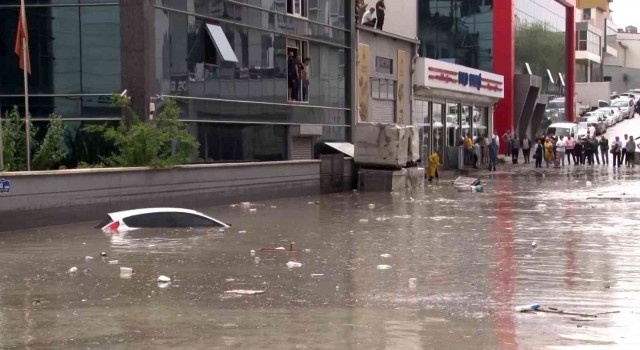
(344,147)
(222,44)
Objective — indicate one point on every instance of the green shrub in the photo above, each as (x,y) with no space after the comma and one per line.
(51,152)
(159,143)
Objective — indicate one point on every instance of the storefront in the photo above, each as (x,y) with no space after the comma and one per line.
(452,101)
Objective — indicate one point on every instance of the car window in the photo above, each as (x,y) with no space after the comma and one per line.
(169,219)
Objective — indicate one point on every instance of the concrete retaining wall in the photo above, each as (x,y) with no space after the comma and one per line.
(55,197)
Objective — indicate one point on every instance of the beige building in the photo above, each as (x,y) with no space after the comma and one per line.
(623,70)
(592,46)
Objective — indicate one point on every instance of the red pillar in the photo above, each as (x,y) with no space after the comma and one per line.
(504,63)
(570,70)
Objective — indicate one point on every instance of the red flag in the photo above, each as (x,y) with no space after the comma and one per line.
(22,38)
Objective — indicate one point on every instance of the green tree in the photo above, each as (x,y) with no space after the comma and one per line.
(52,151)
(162,142)
(14,141)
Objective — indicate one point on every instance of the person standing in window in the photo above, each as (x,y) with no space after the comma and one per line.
(368,19)
(380,10)
(292,72)
(306,72)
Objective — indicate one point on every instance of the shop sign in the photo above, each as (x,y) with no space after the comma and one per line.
(444,75)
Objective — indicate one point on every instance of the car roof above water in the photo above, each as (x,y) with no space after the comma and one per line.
(562,125)
(126,213)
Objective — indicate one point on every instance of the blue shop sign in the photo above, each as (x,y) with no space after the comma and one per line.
(472,80)
(5,186)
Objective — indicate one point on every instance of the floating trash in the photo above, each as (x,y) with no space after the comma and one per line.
(244,292)
(589,184)
(383,267)
(364,221)
(413,283)
(163,279)
(252,252)
(245,204)
(534,244)
(103,254)
(88,258)
(525,308)
(113,262)
(372,206)
(293,264)
(385,255)
(126,272)
(73,270)
(242,231)
(317,275)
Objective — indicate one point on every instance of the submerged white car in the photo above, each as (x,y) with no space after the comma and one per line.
(130,220)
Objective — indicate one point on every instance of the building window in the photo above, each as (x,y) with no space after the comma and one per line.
(297,7)
(298,70)
(384,65)
(586,14)
(383,89)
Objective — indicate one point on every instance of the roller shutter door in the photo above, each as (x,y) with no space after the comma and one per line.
(383,111)
(301,148)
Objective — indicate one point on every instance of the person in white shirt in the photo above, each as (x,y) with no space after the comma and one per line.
(369,19)
(561,147)
(592,131)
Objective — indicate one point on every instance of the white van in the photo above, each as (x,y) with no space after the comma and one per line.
(562,129)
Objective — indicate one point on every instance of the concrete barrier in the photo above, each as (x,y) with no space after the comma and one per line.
(44,198)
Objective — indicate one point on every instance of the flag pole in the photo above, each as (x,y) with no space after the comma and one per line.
(27,125)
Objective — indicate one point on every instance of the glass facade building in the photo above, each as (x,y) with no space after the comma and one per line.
(540,41)
(226,62)
(75,58)
(459,32)
(242,108)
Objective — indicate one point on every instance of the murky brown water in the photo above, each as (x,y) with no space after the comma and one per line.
(471,253)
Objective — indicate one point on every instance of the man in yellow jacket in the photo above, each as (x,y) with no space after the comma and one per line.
(434,164)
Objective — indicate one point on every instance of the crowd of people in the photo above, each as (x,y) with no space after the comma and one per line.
(588,151)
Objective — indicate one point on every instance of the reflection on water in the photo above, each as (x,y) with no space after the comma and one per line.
(470,253)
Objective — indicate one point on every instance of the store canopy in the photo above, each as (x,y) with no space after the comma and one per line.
(344,147)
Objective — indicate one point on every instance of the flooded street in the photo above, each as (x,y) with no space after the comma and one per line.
(472,255)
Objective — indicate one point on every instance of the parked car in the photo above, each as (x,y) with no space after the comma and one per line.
(562,129)
(582,130)
(626,107)
(598,120)
(131,220)
(613,115)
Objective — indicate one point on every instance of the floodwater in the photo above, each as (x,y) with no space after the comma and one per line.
(471,254)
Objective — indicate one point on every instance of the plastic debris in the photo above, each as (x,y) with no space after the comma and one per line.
(293,264)
(413,283)
(253,210)
(371,206)
(256,259)
(385,255)
(534,244)
(252,252)
(73,270)
(311,203)
(382,219)
(125,272)
(307,250)
(273,207)
(113,262)
(364,221)
(87,258)
(230,280)
(383,267)
(242,231)
(163,279)
(245,292)
(525,308)
(589,184)
(103,254)
(233,205)
(317,275)
(281,248)
(245,204)
(164,284)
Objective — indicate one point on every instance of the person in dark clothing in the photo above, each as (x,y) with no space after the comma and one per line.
(515,149)
(380,10)
(588,150)
(623,155)
(577,153)
(293,76)
(596,145)
(604,150)
(539,151)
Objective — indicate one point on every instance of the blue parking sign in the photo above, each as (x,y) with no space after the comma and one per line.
(5,185)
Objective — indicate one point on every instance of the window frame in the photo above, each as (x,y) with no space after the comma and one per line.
(304,8)
(388,83)
(301,46)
